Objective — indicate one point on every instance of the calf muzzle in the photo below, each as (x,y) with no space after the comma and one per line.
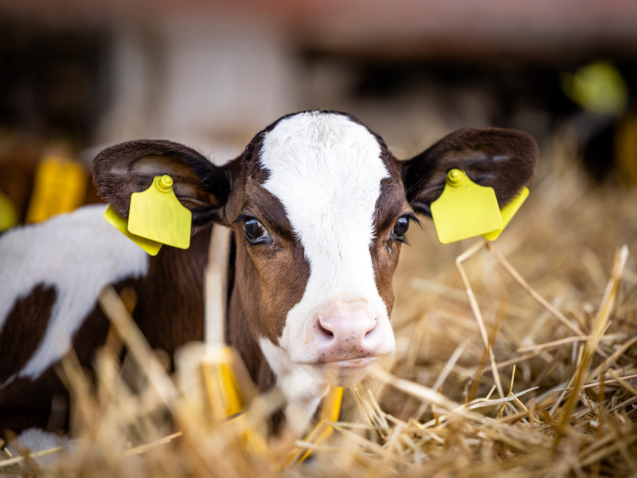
(347,339)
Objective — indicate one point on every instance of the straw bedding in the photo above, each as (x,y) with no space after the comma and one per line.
(554,299)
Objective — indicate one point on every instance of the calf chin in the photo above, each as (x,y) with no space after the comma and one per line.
(312,378)
(346,375)
(304,384)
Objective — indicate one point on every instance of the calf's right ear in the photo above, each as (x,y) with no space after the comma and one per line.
(130,167)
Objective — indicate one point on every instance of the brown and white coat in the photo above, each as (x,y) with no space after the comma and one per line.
(318,207)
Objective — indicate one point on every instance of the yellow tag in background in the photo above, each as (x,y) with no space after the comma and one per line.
(121,224)
(322,431)
(465,209)
(157,214)
(8,215)
(226,399)
(507,213)
(252,442)
(599,88)
(60,186)
(332,404)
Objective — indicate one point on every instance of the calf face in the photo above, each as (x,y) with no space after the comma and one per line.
(319,208)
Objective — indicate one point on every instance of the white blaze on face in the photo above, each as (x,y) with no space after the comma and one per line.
(326,170)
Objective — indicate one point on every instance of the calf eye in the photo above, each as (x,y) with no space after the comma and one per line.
(256,233)
(400,229)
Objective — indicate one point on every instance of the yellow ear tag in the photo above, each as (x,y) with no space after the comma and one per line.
(465,209)
(157,214)
(121,224)
(508,212)
(60,186)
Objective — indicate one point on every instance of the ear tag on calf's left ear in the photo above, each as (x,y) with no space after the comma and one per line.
(508,212)
(157,214)
(465,209)
(121,224)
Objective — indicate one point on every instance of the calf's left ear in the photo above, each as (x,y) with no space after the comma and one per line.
(503,159)
(127,168)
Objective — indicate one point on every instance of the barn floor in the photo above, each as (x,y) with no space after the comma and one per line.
(557,294)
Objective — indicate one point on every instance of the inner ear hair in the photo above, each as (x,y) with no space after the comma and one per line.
(503,159)
(130,167)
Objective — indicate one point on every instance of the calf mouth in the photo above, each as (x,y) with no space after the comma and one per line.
(356,362)
(345,360)
(345,372)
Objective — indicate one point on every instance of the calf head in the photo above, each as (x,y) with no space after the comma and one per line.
(319,209)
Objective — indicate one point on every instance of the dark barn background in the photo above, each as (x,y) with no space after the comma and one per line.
(79,75)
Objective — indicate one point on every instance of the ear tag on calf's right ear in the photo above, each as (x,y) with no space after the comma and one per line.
(508,212)
(121,224)
(465,209)
(157,214)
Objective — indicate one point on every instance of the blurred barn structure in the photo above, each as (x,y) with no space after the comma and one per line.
(80,75)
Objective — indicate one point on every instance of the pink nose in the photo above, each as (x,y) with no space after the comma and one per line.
(347,337)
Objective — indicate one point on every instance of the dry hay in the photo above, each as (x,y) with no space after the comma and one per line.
(556,303)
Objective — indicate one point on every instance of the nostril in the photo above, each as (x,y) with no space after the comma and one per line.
(373,327)
(325,331)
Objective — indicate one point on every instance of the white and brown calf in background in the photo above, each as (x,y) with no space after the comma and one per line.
(319,209)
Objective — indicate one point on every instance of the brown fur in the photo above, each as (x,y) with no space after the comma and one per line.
(172,289)
(390,206)
(26,403)
(20,338)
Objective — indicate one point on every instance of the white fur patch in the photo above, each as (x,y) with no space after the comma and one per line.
(77,254)
(300,383)
(36,440)
(326,170)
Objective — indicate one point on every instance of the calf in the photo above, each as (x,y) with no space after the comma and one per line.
(318,207)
